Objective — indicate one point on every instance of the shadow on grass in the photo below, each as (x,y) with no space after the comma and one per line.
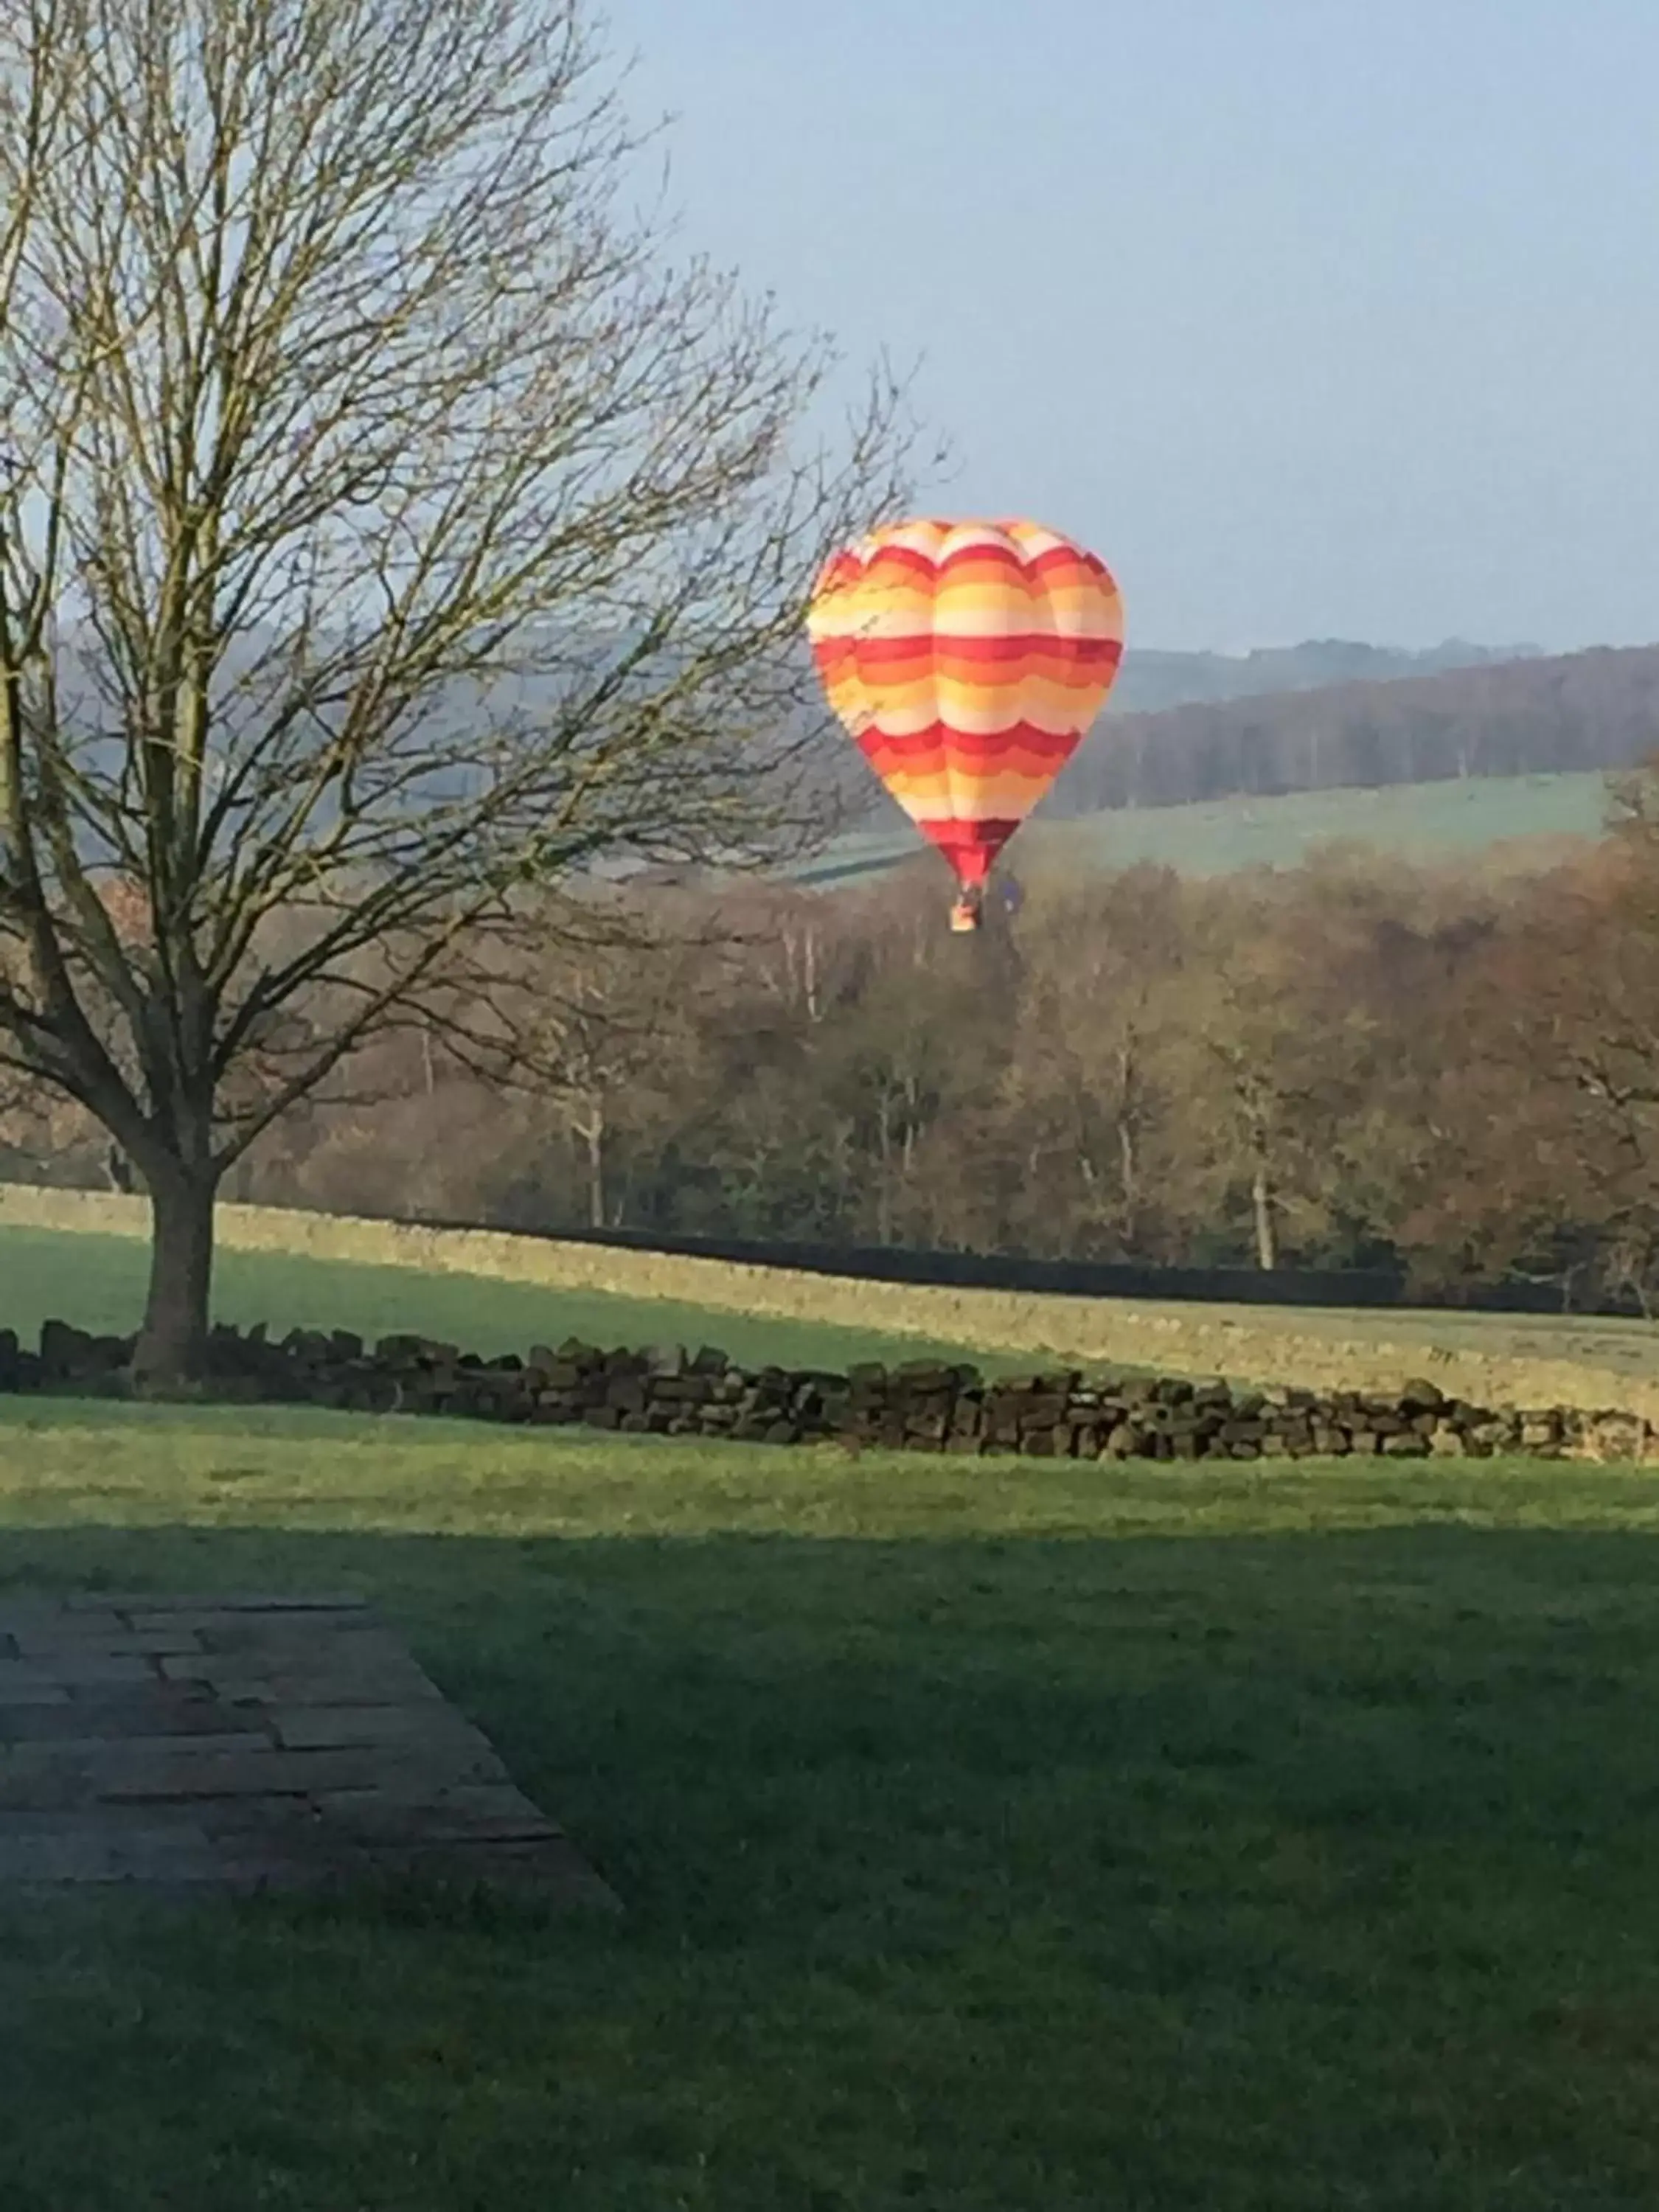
(1235,1871)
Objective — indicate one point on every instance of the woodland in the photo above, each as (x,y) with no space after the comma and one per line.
(1357,1063)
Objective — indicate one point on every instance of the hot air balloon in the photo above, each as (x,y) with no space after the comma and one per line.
(966,660)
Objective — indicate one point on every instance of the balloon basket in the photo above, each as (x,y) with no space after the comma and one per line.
(964,917)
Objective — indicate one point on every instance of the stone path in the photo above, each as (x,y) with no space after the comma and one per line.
(248,1743)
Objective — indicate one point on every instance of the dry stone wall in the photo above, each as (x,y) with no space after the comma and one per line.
(919,1406)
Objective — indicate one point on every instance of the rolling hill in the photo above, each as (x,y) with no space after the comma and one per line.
(1419,821)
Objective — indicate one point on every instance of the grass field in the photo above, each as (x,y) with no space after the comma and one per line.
(58,1255)
(97,1282)
(1418,821)
(1023,1837)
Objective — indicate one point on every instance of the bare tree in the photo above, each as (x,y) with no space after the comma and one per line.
(1259,1059)
(577,1011)
(1086,1085)
(387,527)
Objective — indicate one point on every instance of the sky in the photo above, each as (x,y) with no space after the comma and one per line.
(1313,317)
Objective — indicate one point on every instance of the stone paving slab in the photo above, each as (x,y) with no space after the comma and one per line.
(248,1743)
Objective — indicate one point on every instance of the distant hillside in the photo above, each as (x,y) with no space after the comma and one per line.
(1572,713)
(1150,681)
(1419,821)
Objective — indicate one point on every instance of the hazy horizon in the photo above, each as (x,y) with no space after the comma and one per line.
(1316,321)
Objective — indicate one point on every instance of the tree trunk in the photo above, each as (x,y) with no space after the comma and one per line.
(593,1135)
(1266,1234)
(811,958)
(1129,1183)
(172,1348)
(884,1148)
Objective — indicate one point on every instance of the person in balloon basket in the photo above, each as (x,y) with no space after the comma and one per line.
(966,914)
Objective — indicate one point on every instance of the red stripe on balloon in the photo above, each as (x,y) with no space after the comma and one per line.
(980,751)
(878,654)
(971,847)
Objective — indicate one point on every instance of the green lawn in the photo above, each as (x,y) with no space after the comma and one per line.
(98,1283)
(994,1835)
(1421,822)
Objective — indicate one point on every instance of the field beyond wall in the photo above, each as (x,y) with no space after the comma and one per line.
(1490,1359)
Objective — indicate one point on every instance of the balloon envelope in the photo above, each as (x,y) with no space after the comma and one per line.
(967,659)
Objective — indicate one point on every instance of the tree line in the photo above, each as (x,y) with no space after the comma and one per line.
(1355,1063)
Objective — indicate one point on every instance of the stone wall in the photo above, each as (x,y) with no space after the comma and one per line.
(920,1405)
